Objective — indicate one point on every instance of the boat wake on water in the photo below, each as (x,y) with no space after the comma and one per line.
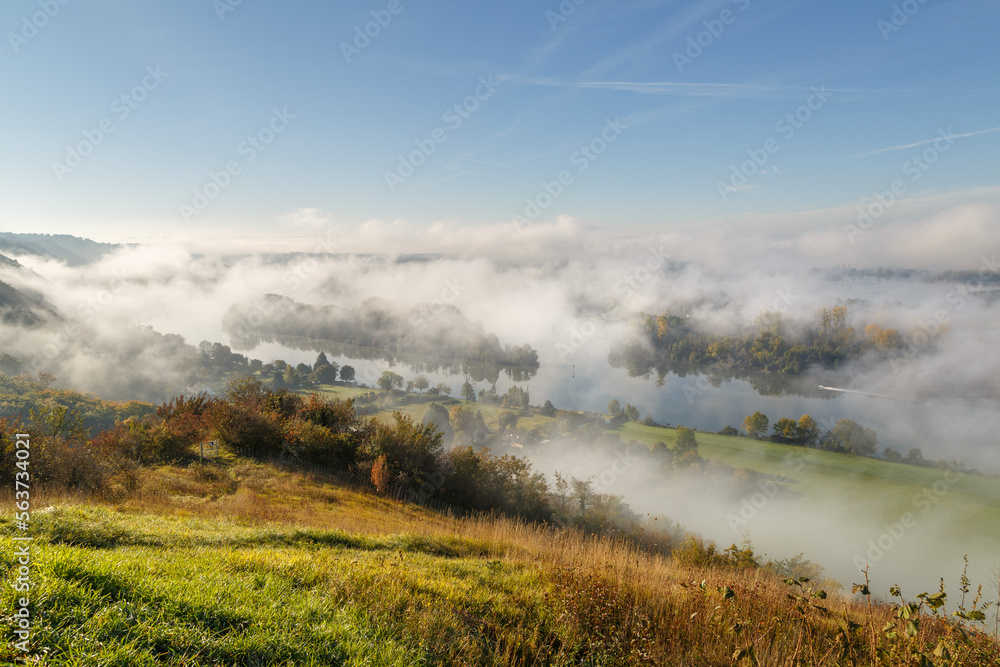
(868,393)
(981,403)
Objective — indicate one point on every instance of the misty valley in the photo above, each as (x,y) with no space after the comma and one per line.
(703,432)
(504,334)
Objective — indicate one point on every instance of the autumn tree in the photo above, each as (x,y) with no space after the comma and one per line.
(437,414)
(849,436)
(381,475)
(786,430)
(389,381)
(756,425)
(507,418)
(324,374)
(291,377)
(468,392)
(411,450)
(685,441)
(470,422)
(808,430)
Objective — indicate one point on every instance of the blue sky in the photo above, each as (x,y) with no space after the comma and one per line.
(684,122)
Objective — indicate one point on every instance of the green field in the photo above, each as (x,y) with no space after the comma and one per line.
(813,475)
(865,493)
(244,563)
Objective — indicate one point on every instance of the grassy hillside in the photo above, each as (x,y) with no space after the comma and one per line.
(814,476)
(822,473)
(242,563)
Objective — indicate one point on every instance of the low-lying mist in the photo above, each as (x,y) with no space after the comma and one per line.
(572,294)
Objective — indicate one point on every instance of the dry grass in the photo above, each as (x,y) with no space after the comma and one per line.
(628,606)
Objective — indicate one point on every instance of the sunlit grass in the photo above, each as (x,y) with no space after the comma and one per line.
(248,564)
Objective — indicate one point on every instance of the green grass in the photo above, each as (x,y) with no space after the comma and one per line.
(352,579)
(812,475)
(142,589)
(855,481)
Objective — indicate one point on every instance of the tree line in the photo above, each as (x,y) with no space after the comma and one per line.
(771,345)
(255,421)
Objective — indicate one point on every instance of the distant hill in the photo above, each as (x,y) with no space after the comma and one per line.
(23,309)
(72,250)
